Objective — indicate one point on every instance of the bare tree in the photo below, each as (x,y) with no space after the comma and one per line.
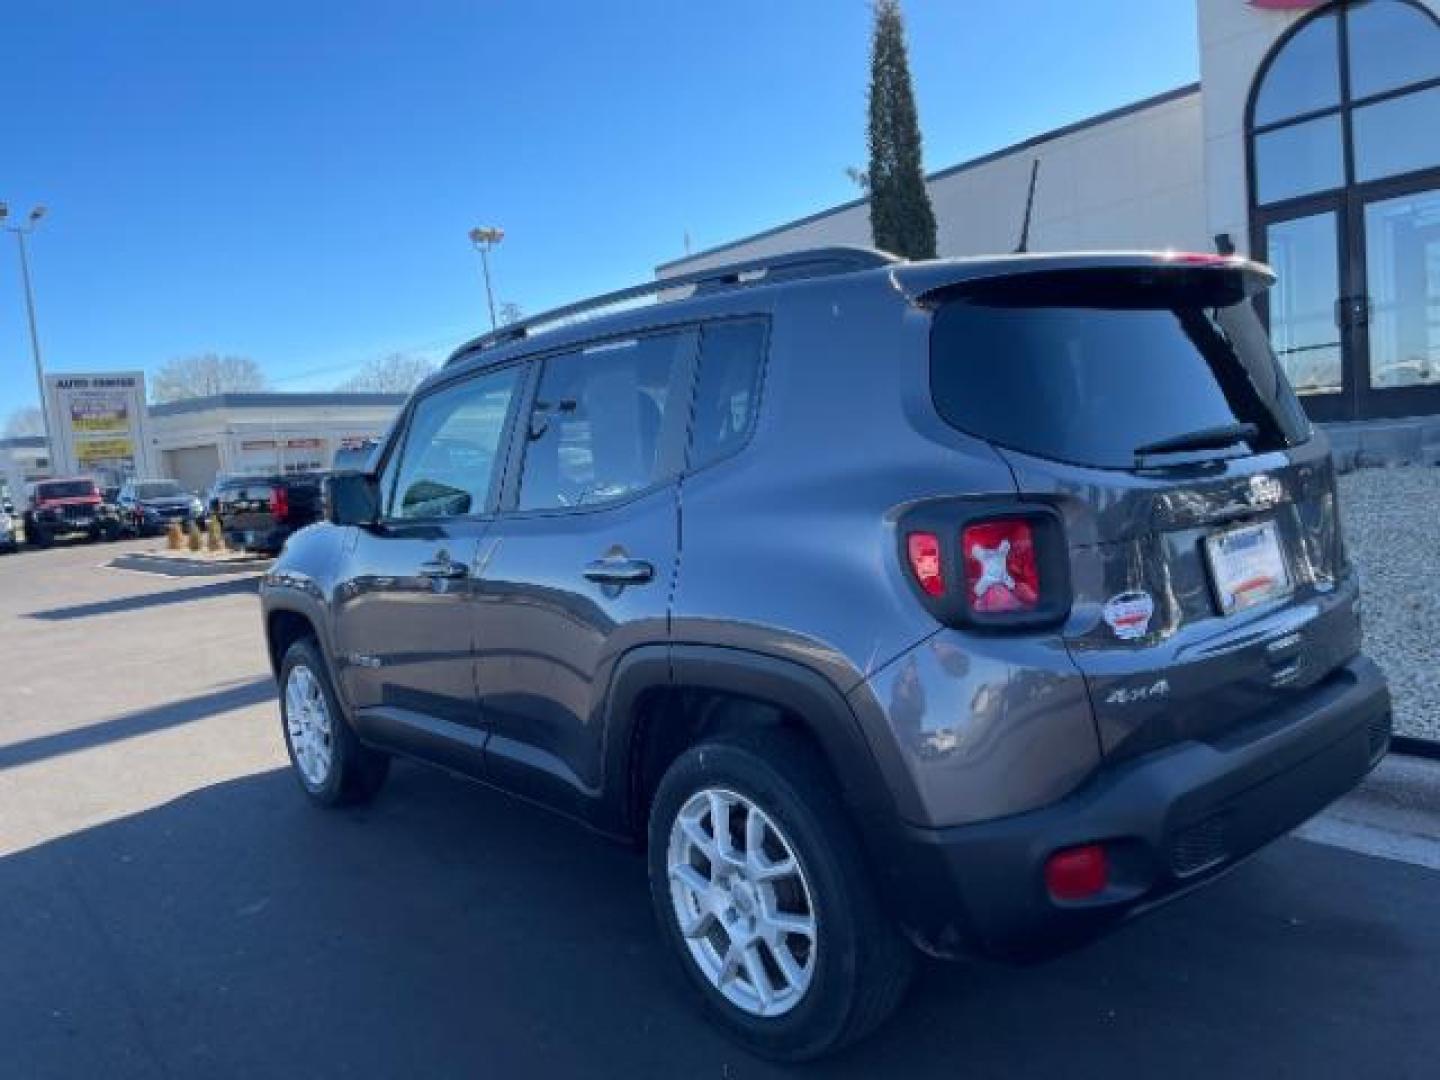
(205,376)
(27,421)
(398,373)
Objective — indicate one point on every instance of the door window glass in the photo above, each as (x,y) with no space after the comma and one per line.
(727,390)
(452,448)
(1299,159)
(1402,264)
(1302,252)
(1398,135)
(595,431)
(1305,76)
(1392,44)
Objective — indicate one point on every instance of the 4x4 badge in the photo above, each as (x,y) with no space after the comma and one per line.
(1128,614)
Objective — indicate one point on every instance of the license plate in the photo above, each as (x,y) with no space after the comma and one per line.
(1247,566)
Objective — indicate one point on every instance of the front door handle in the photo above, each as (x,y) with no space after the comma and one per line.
(619,571)
(444,568)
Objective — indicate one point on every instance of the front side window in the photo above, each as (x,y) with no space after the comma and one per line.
(452,449)
(596,428)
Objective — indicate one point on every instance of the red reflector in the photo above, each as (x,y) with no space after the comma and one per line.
(1001,573)
(923,549)
(1077,873)
(279,503)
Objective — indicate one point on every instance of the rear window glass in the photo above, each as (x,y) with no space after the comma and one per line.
(66,489)
(1098,376)
(158,490)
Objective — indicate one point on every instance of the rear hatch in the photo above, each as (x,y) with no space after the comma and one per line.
(258,507)
(1145,404)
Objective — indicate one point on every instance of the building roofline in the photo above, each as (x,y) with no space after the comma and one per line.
(23,442)
(950,170)
(264,400)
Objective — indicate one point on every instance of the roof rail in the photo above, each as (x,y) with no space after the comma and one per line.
(792,266)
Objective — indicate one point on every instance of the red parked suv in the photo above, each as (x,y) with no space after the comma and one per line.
(69,507)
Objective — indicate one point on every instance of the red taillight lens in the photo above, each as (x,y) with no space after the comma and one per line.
(279,503)
(1077,873)
(923,549)
(1001,573)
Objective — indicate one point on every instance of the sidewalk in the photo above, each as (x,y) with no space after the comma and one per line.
(1395,814)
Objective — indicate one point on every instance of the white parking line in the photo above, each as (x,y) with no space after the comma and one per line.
(1367,839)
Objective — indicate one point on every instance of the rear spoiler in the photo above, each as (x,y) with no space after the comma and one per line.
(1124,276)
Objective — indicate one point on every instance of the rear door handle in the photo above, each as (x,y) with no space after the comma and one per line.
(619,571)
(444,568)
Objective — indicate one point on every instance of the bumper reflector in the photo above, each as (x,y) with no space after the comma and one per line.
(1077,873)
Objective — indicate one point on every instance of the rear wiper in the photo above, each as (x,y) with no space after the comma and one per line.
(1212,438)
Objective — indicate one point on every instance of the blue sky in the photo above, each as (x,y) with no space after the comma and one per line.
(294,181)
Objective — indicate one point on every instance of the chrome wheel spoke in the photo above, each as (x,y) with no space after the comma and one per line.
(307,722)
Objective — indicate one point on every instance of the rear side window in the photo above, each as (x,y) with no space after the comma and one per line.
(727,392)
(601,419)
(1093,382)
(452,448)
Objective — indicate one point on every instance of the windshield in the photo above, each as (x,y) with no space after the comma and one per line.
(158,489)
(1094,379)
(66,489)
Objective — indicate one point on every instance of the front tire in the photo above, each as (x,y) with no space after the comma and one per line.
(763,897)
(330,763)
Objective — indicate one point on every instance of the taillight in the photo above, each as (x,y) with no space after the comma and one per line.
(993,565)
(923,548)
(1001,571)
(279,503)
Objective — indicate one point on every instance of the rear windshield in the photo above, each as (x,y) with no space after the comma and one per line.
(66,489)
(158,489)
(1092,375)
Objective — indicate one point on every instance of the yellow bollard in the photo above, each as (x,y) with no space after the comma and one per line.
(194,541)
(214,535)
(174,538)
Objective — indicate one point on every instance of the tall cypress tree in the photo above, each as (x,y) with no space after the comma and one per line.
(901,218)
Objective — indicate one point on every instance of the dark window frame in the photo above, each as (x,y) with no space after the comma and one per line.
(1357,399)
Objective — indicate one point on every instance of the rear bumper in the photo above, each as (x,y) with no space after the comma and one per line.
(1170,820)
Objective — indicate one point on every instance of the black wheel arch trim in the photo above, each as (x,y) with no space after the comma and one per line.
(826,714)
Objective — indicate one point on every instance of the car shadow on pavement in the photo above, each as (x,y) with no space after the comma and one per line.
(141,722)
(448,931)
(141,601)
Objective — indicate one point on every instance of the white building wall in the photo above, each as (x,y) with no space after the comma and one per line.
(269,440)
(1235,39)
(1133,181)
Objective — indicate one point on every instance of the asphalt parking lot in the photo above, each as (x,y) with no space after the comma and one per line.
(170,906)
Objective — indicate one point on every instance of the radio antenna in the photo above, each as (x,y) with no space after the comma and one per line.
(1029,206)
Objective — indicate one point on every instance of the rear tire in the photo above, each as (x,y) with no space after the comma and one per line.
(38,536)
(330,763)
(848,965)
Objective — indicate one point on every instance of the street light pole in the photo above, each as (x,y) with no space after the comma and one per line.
(21,232)
(483,240)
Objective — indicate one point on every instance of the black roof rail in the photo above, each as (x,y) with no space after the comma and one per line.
(791,266)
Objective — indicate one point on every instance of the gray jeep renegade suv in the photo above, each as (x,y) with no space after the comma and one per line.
(967,605)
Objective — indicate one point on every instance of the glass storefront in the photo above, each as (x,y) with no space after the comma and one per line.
(1345,189)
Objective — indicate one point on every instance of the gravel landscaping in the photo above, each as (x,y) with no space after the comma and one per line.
(1392,527)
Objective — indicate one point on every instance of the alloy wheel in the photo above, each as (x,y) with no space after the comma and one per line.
(307,719)
(742,902)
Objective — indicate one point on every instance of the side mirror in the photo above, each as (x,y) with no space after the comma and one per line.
(352,498)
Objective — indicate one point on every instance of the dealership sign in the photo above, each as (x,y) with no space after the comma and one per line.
(98,424)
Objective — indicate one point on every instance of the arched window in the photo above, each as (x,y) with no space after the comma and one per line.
(1343,128)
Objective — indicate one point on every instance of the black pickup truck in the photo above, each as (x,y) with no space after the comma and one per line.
(259,513)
